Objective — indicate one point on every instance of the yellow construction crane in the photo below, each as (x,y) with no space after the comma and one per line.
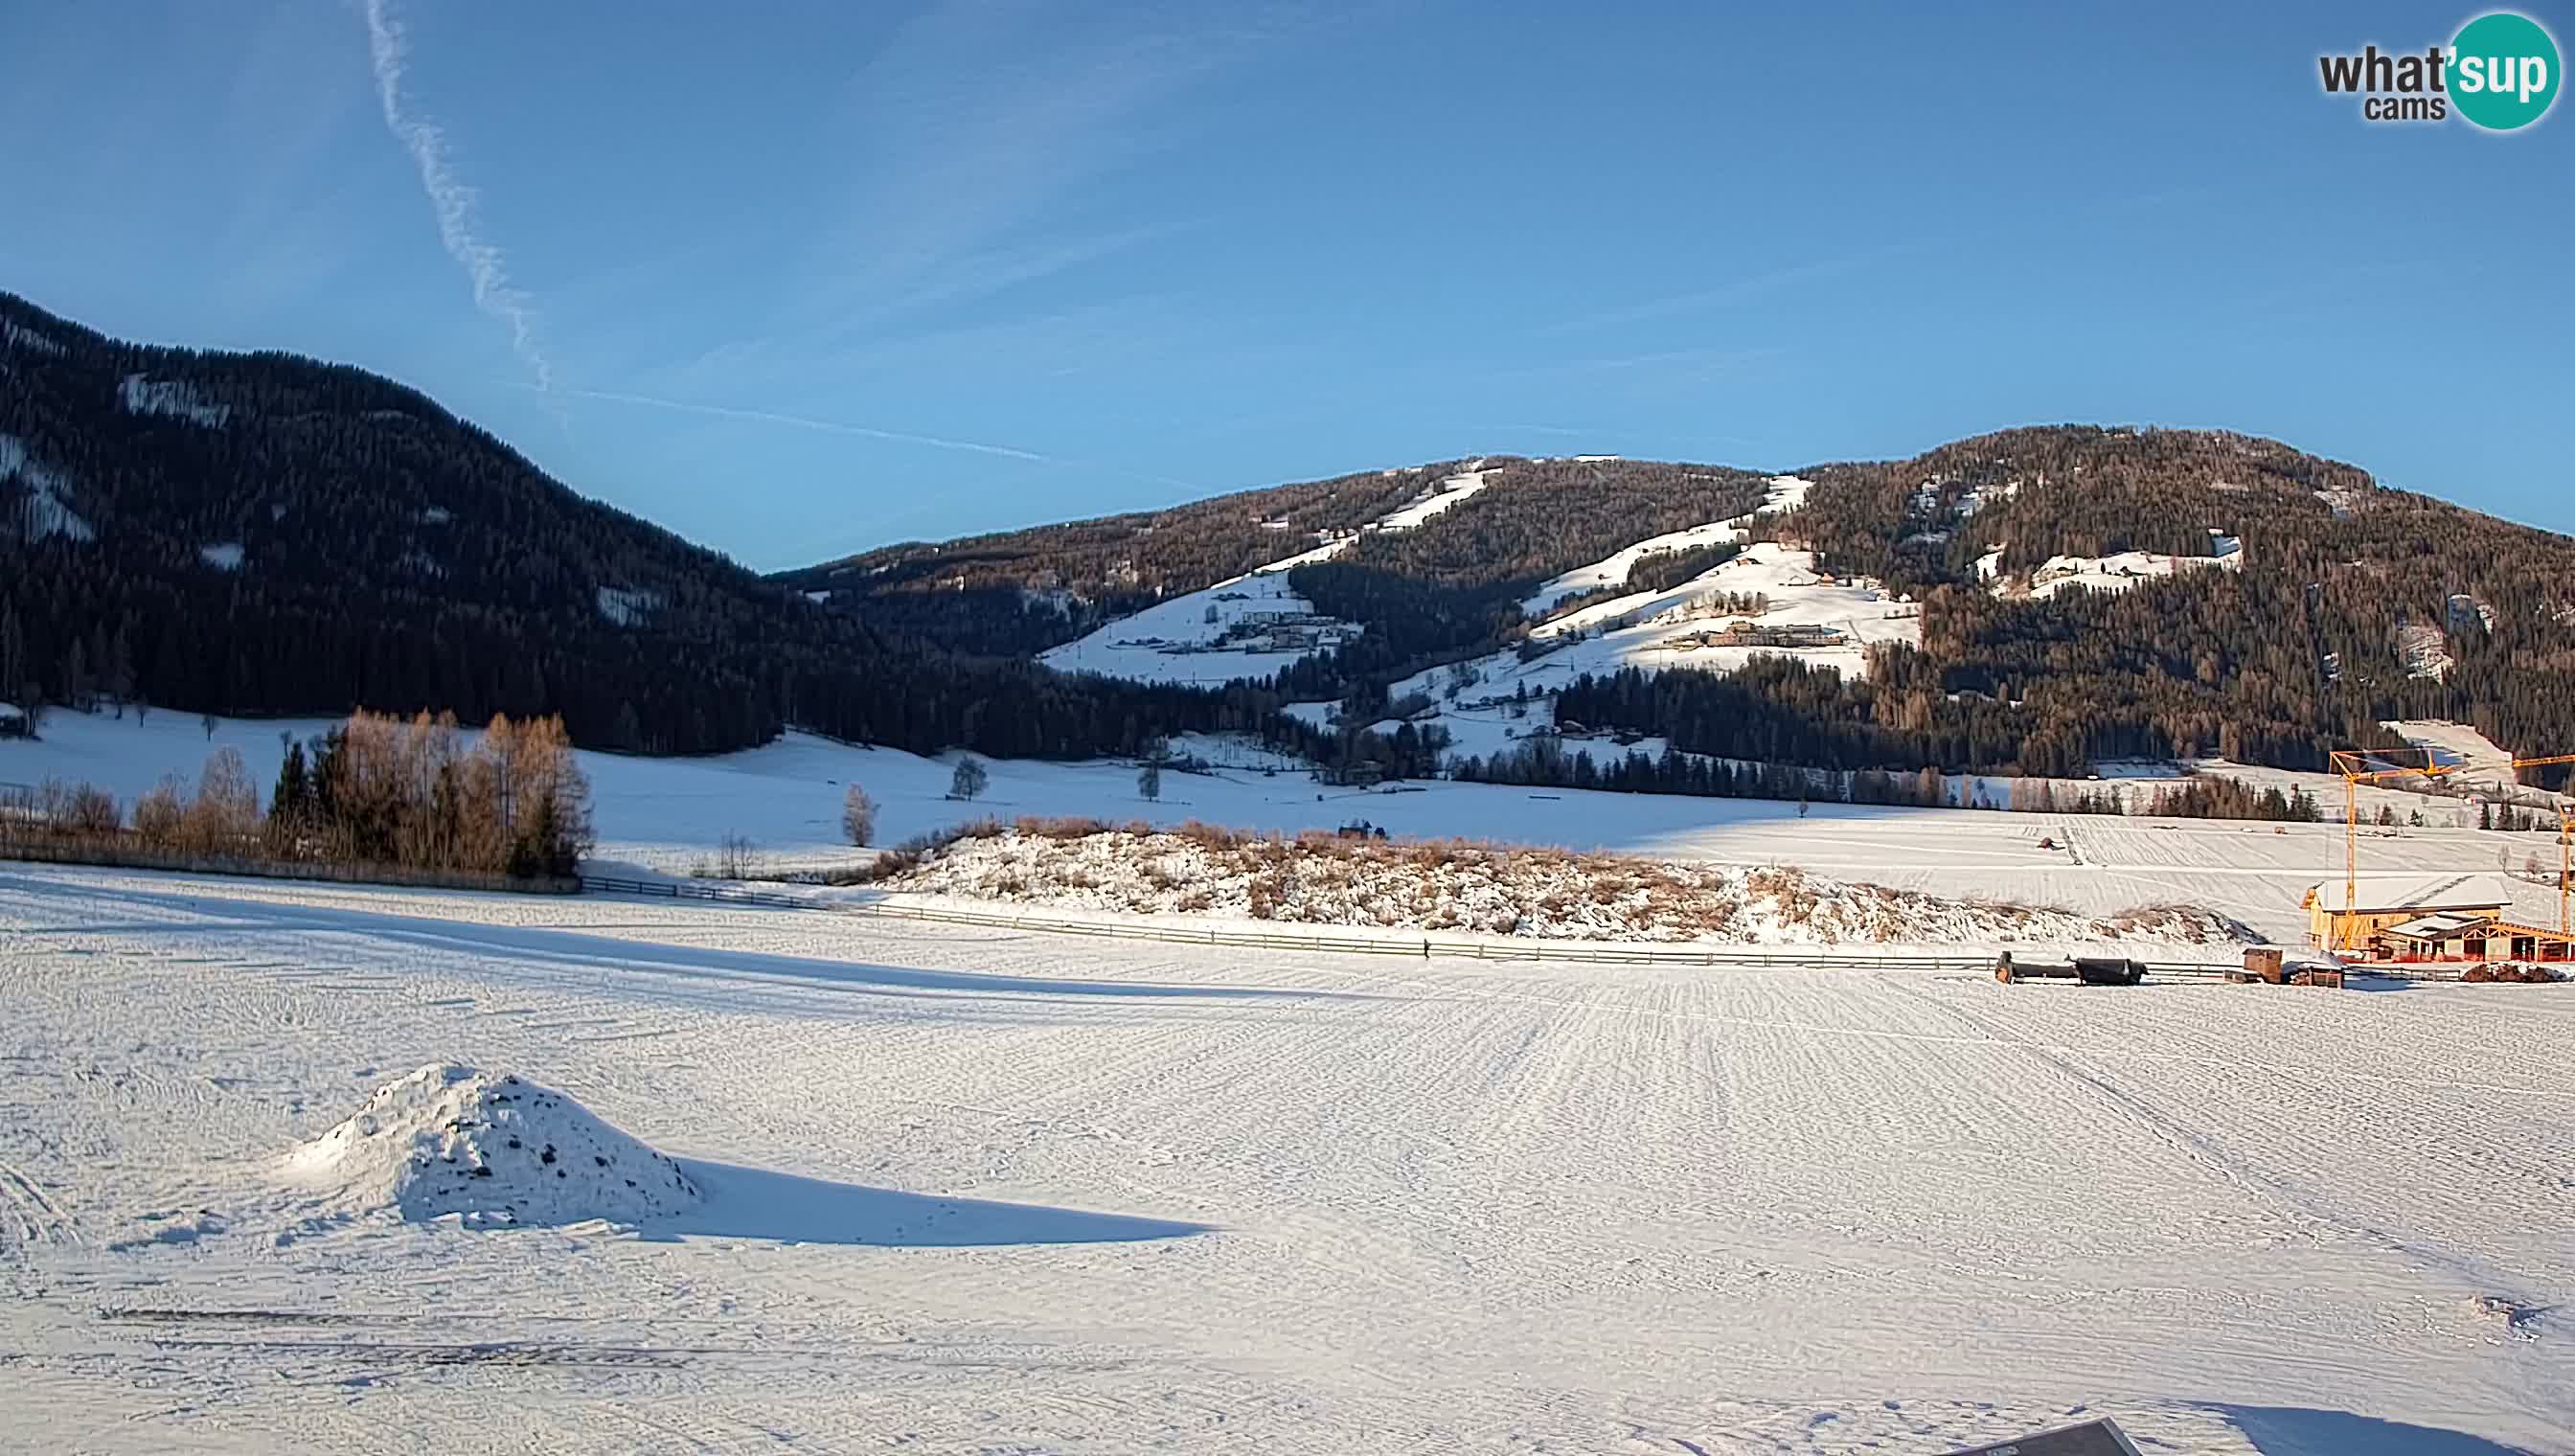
(2565,864)
(2359,767)
(2565,826)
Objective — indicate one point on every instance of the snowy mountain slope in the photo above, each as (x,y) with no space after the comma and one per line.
(1248,625)
(1786,494)
(1490,704)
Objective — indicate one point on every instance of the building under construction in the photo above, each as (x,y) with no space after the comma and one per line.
(2434,918)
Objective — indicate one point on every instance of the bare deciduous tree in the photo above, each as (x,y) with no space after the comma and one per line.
(858,816)
(225,813)
(161,814)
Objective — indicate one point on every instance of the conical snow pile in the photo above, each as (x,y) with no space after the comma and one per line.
(489,1151)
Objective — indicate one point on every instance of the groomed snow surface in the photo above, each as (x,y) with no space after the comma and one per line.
(978,1190)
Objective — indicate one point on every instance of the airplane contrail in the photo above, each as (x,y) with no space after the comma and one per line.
(451,197)
(808,422)
(865,432)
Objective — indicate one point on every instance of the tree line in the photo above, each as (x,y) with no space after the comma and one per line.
(418,793)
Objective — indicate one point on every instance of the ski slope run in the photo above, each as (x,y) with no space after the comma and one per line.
(1215,635)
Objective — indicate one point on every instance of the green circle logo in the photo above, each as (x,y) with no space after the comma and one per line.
(2503,71)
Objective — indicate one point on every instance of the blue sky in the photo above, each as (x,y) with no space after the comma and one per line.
(796,279)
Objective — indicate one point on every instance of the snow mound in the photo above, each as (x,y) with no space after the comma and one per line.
(489,1151)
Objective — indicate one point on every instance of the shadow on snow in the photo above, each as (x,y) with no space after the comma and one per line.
(756,1204)
(2294,1431)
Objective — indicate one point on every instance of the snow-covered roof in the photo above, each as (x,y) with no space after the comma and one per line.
(10,710)
(2426,893)
(2435,928)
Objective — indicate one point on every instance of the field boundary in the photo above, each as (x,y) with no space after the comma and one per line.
(1419,947)
(182,861)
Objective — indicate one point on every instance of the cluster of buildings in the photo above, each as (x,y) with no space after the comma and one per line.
(2440,917)
(1744,633)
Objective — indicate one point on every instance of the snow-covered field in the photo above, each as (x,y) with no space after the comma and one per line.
(956,1190)
(668,814)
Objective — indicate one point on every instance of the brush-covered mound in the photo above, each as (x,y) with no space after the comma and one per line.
(1505,889)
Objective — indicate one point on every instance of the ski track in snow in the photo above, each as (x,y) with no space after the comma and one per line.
(1083,1196)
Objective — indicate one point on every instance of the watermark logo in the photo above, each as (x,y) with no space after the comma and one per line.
(2500,72)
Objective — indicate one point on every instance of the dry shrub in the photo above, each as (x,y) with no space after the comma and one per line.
(1213,837)
(1038,826)
(90,809)
(161,814)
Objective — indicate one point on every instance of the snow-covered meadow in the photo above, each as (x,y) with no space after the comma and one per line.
(959,1189)
(669,816)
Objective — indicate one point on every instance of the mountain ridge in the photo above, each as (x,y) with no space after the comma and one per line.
(262,533)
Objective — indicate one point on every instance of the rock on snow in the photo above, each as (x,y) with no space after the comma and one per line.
(488,1150)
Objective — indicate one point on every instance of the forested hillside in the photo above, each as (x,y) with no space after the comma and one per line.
(2337,606)
(268,533)
(1453,586)
(1022,592)
(2350,604)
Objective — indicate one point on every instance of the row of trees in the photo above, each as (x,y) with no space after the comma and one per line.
(420,793)
(1544,760)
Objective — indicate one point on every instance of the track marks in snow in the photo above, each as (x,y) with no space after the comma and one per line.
(1476,1206)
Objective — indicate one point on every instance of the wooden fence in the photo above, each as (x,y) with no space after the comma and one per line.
(127,854)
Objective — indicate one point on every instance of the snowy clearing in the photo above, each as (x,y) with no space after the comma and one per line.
(47,514)
(626,606)
(969,1190)
(174,397)
(2115,572)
